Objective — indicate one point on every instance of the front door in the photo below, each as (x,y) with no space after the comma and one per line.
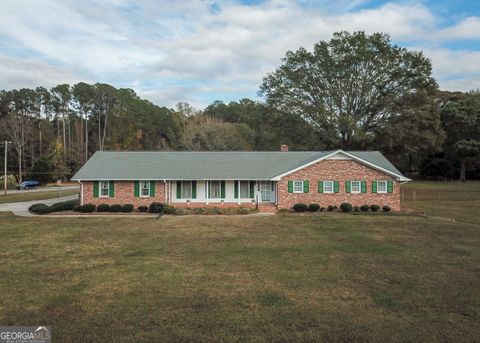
(266,191)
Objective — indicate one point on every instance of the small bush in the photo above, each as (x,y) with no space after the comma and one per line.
(313,207)
(386,208)
(57,207)
(300,207)
(156,207)
(375,208)
(40,209)
(70,204)
(331,208)
(143,208)
(356,208)
(322,209)
(87,208)
(76,208)
(127,208)
(242,210)
(103,208)
(167,209)
(116,208)
(364,208)
(346,207)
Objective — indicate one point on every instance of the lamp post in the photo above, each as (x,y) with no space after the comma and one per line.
(5,178)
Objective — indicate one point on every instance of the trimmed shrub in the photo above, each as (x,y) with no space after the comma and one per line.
(322,209)
(40,209)
(314,207)
(76,208)
(375,208)
(356,208)
(242,210)
(364,208)
(300,207)
(70,204)
(331,208)
(386,208)
(116,208)
(57,207)
(167,209)
(87,208)
(128,208)
(103,208)
(143,208)
(346,207)
(156,207)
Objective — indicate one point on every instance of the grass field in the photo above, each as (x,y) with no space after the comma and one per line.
(452,197)
(29,196)
(327,277)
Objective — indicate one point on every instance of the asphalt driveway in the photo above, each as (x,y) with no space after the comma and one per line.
(21,208)
(42,189)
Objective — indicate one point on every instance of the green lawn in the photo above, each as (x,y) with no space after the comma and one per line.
(326,277)
(29,196)
(468,186)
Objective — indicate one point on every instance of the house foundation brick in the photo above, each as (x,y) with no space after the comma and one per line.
(338,170)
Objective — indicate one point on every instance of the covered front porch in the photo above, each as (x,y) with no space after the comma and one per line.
(239,192)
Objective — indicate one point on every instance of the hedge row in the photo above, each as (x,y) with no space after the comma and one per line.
(345,207)
(59,206)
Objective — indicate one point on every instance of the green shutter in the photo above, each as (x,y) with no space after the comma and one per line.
(136,189)
(111,189)
(179,189)
(252,189)
(389,186)
(290,186)
(222,189)
(152,189)
(336,186)
(95,189)
(194,189)
(347,186)
(320,186)
(364,186)
(235,189)
(306,186)
(374,186)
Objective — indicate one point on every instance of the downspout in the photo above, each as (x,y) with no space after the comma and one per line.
(81,192)
(165,195)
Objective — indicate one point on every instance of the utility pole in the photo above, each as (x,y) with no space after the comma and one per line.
(5,179)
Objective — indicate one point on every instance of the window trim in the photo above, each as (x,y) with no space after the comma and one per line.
(325,188)
(378,186)
(100,195)
(359,187)
(302,187)
(183,188)
(141,195)
(210,189)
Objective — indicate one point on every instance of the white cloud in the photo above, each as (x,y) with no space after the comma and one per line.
(183,51)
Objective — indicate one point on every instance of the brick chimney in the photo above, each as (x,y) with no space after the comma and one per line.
(284,148)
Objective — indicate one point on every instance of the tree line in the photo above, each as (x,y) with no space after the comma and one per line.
(355,92)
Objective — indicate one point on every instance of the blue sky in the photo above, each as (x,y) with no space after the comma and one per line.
(198,51)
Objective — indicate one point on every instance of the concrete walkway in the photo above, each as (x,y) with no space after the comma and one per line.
(21,208)
(42,189)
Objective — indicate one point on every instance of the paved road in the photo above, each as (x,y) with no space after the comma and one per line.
(43,189)
(21,208)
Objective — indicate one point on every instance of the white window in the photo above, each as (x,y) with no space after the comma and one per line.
(355,187)
(327,186)
(244,189)
(381,186)
(297,186)
(104,189)
(214,189)
(144,188)
(186,189)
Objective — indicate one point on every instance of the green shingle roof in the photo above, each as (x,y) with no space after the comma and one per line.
(225,165)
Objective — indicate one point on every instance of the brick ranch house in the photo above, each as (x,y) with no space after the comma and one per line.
(273,180)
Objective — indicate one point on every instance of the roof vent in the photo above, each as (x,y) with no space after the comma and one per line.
(284,148)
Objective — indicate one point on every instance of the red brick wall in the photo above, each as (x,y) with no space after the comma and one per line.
(123,194)
(337,170)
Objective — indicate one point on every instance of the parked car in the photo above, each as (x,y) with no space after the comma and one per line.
(29,184)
